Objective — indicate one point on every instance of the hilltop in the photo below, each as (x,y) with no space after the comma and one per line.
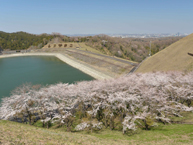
(23,40)
(56,40)
(173,58)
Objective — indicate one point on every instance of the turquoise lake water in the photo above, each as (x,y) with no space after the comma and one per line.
(44,70)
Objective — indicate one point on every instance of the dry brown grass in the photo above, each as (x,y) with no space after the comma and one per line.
(90,57)
(80,46)
(172,58)
(114,68)
(88,48)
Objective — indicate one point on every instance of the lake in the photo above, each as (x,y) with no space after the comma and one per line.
(44,70)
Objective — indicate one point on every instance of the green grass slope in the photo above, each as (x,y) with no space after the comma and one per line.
(17,133)
(172,58)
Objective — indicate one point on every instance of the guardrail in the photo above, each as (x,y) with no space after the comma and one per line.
(14,52)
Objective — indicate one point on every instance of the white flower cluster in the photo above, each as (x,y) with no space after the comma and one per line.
(82,126)
(97,125)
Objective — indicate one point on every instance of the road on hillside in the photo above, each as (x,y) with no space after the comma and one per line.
(114,58)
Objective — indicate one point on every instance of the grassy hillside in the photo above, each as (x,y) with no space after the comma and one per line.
(17,133)
(172,58)
(88,48)
(54,44)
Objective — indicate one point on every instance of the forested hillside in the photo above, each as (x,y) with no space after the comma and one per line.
(135,49)
(23,40)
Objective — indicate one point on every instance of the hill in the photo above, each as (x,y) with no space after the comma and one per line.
(56,40)
(23,40)
(173,58)
(135,49)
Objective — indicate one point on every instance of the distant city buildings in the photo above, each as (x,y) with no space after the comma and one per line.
(148,35)
(137,35)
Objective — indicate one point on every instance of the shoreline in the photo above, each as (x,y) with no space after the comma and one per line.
(94,73)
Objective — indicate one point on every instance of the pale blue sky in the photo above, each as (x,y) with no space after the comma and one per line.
(96,16)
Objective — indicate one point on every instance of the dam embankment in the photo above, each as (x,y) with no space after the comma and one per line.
(72,62)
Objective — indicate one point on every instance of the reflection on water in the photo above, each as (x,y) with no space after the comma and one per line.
(49,58)
(43,70)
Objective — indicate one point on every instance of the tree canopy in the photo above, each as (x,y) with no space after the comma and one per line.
(23,40)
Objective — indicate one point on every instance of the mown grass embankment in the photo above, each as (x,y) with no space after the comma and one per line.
(173,58)
(88,48)
(17,133)
(109,65)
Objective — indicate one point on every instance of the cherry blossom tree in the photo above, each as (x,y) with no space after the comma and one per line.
(134,101)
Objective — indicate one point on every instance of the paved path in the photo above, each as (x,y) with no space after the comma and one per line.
(136,67)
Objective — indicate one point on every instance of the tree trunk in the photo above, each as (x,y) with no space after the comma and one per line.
(47,125)
(189,102)
(123,131)
(43,124)
(29,120)
(105,121)
(112,123)
(146,126)
(91,123)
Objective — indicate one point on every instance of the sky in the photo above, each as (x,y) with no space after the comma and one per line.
(97,16)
